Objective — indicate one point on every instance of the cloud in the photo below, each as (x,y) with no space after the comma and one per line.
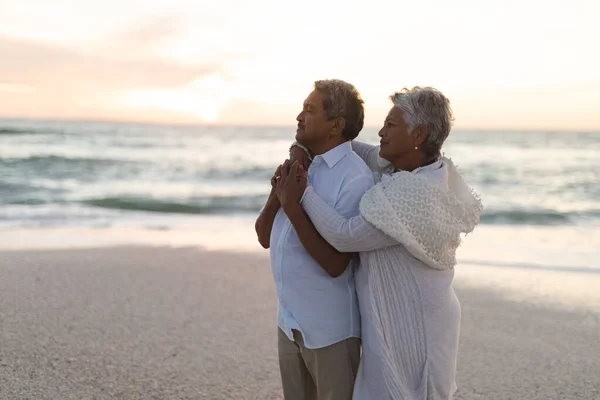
(11,88)
(40,80)
(159,28)
(125,73)
(145,39)
(45,66)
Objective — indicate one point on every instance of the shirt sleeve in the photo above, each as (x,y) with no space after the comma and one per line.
(345,234)
(370,155)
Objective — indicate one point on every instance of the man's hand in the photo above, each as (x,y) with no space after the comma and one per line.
(290,187)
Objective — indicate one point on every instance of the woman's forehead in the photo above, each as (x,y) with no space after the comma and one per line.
(395,114)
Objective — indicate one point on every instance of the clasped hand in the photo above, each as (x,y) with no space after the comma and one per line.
(290,185)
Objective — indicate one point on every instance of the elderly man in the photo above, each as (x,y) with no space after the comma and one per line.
(318,317)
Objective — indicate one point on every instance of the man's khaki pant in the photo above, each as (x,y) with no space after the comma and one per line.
(327,373)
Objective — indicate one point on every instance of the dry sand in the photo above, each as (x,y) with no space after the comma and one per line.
(161,323)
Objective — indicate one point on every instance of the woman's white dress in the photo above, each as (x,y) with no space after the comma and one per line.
(410,316)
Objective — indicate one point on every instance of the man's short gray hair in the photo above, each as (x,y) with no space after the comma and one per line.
(341,99)
(426,106)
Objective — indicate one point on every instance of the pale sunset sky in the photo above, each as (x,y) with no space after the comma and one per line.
(530,64)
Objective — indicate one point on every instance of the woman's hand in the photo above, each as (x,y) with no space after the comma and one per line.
(300,155)
(290,187)
(276,176)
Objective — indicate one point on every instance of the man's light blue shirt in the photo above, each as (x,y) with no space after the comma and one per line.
(322,308)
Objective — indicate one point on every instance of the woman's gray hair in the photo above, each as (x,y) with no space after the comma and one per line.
(341,99)
(426,106)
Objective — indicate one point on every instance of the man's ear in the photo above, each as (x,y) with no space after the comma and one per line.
(339,124)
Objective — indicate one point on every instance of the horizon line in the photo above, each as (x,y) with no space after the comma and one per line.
(264,125)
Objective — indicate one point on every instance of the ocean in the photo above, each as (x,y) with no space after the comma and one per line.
(89,184)
(109,174)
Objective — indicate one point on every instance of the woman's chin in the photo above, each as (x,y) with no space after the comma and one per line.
(383,154)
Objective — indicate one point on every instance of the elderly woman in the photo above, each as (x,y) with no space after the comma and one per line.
(407,234)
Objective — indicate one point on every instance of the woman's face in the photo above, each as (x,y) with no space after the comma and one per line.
(396,142)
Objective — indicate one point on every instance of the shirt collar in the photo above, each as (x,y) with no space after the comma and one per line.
(334,155)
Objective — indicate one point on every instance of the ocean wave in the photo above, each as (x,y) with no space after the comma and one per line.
(18,195)
(546,217)
(254,173)
(54,159)
(27,131)
(116,170)
(26,202)
(72,167)
(25,194)
(201,205)
(11,187)
(14,131)
(253,203)
(60,167)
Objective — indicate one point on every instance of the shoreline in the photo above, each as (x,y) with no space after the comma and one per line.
(557,267)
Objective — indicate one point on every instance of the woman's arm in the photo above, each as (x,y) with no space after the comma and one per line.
(345,235)
(331,260)
(289,190)
(370,155)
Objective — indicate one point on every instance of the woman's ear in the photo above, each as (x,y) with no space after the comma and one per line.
(420,134)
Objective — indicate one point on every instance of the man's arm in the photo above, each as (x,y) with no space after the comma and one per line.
(331,260)
(264,222)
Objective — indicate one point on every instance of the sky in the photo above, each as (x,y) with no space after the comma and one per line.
(527,64)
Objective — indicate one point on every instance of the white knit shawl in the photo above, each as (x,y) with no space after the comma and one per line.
(425,215)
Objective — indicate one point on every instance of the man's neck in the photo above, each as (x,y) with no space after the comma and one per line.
(322,148)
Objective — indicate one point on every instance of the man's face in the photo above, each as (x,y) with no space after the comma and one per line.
(313,125)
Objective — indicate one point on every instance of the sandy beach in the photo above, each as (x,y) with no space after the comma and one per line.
(168,323)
